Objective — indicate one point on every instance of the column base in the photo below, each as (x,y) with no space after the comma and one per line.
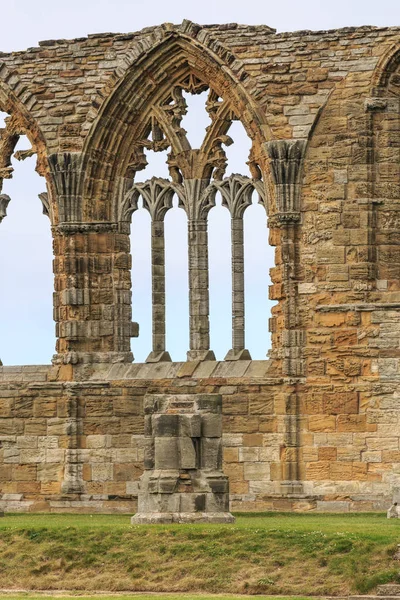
(238,355)
(200,355)
(165,518)
(155,357)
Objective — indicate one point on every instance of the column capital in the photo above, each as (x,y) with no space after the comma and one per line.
(66,170)
(157,194)
(195,199)
(286,161)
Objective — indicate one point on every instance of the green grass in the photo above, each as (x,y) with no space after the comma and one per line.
(273,553)
(144,597)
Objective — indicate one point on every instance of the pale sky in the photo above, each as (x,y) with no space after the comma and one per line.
(26,325)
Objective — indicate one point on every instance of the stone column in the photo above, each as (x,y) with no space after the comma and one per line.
(238,301)
(157,197)
(197,204)
(286,162)
(183,480)
(159,352)
(92,301)
(236,192)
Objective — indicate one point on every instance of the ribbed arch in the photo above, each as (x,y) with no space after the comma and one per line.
(386,69)
(109,154)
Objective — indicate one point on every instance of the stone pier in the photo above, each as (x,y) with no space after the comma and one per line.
(183,480)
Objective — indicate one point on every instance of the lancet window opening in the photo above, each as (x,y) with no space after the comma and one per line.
(30,288)
(195,176)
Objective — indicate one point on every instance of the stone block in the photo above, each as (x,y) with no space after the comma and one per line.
(166,453)
(211,453)
(230,455)
(193,426)
(322,423)
(102,472)
(49,472)
(211,426)
(318,470)
(188,458)
(24,473)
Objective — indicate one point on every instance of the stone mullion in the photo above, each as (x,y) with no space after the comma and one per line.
(198,291)
(238,301)
(158,292)
(237,285)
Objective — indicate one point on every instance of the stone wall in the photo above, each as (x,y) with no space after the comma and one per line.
(317,425)
(78,445)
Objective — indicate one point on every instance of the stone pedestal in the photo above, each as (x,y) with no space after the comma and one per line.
(183,480)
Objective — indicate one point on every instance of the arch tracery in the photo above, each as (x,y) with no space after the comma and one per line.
(17,124)
(196,175)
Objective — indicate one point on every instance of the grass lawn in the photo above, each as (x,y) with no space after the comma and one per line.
(272,553)
(144,597)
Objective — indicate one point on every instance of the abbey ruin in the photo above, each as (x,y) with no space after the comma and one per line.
(316,425)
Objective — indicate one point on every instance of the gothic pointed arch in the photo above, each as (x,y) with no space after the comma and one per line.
(145,112)
(138,106)
(386,70)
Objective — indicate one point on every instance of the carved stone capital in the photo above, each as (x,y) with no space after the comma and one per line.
(286,159)
(4,202)
(66,173)
(195,199)
(236,192)
(283,219)
(157,194)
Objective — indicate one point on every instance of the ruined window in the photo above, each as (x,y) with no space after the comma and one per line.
(194,148)
(27,327)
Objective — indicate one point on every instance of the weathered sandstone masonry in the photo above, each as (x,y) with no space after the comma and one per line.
(316,426)
(183,480)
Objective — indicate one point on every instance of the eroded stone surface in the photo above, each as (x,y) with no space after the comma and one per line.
(183,480)
(316,426)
